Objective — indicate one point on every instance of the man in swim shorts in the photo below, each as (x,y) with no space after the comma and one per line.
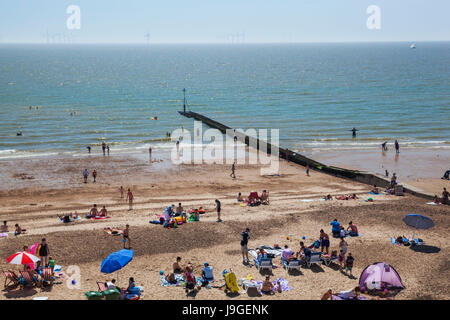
(324,241)
(85,175)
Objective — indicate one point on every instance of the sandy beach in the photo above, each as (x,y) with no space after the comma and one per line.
(35,191)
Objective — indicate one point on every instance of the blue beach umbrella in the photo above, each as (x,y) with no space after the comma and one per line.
(116,261)
(418,221)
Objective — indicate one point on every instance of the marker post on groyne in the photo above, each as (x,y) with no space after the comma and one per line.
(355,175)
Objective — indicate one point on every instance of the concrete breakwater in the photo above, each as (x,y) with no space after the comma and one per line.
(356,175)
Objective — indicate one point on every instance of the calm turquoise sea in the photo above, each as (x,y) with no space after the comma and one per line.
(313,93)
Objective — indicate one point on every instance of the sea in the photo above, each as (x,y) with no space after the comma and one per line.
(65,97)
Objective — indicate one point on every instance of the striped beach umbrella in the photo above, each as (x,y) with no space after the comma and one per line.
(22,258)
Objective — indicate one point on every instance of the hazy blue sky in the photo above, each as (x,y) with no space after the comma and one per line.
(210,21)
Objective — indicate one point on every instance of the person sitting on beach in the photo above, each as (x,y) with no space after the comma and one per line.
(336,228)
(131,285)
(34,275)
(262,254)
(328,197)
(304,253)
(287,254)
(179,210)
(196,215)
(103,212)
(353,229)
(375,189)
(189,279)
(74,215)
(327,295)
(177,266)
(18,230)
(112,284)
(4,227)
(342,233)
(264,197)
(207,274)
(93,212)
(267,286)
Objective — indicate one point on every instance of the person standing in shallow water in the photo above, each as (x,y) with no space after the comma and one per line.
(354,132)
(397,147)
(103,147)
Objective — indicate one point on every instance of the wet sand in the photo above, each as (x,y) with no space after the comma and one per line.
(57,188)
(422,168)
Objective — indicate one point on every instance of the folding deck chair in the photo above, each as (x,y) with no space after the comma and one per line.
(314,258)
(293,265)
(27,279)
(11,279)
(101,286)
(265,263)
(47,275)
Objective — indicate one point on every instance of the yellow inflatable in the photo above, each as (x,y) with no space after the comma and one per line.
(232,284)
(180,219)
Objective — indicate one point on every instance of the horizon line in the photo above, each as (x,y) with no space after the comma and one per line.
(230,43)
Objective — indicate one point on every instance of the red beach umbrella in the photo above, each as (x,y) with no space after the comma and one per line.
(22,258)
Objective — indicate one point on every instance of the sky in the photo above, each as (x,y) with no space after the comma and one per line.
(226,21)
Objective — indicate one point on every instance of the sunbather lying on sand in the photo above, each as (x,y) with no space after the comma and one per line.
(347,197)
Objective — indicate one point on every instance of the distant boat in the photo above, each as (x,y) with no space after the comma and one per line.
(413,46)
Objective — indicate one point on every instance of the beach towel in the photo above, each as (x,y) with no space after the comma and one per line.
(433,203)
(371,192)
(271,251)
(306,200)
(3,235)
(99,218)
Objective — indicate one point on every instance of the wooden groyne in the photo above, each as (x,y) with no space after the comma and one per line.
(355,175)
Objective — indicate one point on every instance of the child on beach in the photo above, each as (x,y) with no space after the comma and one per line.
(341,259)
(85,175)
(218,210)
(94,175)
(126,236)
(349,264)
(4,227)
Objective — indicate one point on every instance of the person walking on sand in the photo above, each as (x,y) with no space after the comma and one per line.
(85,175)
(218,210)
(130,199)
(121,192)
(94,175)
(126,237)
(307,170)
(233,168)
(103,147)
(244,248)
(397,147)
(349,264)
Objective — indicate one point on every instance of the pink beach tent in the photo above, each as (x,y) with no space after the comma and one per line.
(380,274)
